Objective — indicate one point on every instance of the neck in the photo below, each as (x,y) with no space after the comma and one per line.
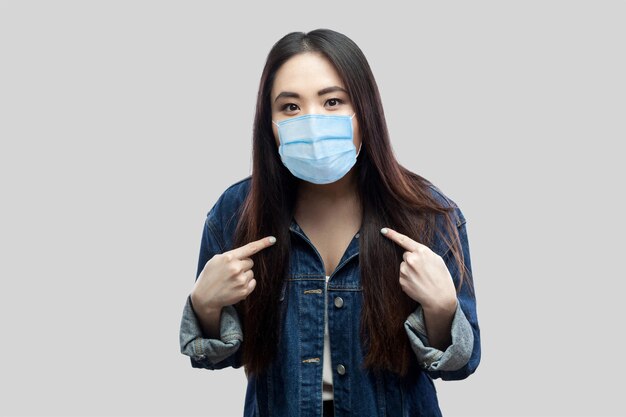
(340,190)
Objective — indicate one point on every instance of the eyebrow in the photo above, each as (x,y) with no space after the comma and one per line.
(319,93)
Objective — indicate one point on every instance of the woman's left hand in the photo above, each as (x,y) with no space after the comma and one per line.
(424,275)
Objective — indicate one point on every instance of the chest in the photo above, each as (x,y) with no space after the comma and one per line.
(330,237)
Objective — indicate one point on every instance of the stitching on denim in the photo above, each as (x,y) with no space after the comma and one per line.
(197,346)
(231,336)
(354,255)
(339,288)
(295,276)
(212,229)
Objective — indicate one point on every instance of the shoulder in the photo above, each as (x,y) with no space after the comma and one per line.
(222,214)
(446,201)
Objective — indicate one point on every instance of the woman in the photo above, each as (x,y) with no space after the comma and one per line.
(340,280)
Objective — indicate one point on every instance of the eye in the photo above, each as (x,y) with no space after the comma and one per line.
(334,102)
(289,107)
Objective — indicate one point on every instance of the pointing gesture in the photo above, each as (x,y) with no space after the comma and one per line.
(424,275)
(227,277)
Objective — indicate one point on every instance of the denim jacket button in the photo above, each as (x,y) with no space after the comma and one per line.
(338,302)
(341,370)
(357,235)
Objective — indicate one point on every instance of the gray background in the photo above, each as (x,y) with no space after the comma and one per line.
(122,122)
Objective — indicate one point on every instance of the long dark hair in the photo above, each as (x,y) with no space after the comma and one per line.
(390,196)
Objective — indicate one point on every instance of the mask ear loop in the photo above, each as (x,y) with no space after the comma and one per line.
(361,145)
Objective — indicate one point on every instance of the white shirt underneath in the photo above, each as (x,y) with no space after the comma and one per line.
(327,373)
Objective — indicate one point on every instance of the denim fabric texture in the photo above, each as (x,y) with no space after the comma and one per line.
(292,386)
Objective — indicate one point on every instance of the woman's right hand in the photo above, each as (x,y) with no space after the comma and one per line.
(227,277)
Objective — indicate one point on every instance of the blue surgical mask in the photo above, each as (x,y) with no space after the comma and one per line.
(317,148)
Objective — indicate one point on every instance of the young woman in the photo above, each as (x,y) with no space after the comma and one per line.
(339,279)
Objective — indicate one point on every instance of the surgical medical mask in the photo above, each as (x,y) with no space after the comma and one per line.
(316,147)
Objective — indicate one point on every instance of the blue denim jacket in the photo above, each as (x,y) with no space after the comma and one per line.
(292,386)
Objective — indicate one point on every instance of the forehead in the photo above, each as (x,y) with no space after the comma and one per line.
(306,73)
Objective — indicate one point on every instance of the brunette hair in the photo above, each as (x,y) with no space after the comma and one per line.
(390,194)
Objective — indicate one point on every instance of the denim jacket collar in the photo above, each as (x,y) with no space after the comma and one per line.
(351,251)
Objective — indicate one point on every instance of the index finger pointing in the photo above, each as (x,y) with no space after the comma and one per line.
(402,240)
(253,247)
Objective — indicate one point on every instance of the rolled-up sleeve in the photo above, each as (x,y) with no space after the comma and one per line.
(462,357)
(211,353)
(433,359)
